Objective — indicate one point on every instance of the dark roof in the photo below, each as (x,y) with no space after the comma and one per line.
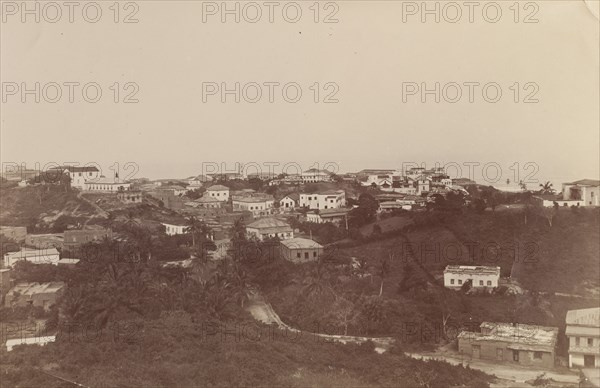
(585,182)
(75,168)
(293,196)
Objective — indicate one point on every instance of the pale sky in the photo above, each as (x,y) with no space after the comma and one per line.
(369,53)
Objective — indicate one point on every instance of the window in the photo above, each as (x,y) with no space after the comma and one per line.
(537,355)
(590,342)
(481,282)
(315,254)
(298,255)
(576,341)
(306,255)
(451,281)
(459,281)
(489,282)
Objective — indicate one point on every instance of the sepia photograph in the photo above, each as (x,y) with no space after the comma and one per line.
(302,194)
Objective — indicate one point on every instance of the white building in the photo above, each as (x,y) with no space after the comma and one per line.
(106,185)
(457,275)
(289,202)
(41,341)
(583,331)
(336,216)
(197,181)
(315,175)
(78,175)
(586,190)
(259,205)
(219,192)
(270,227)
(331,199)
(35,256)
(173,229)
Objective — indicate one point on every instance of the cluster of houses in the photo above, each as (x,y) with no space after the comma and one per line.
(528,345)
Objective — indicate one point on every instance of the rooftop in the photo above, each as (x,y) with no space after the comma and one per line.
(218,188)
(76,168)
(301,243)
(268,223)
(24,253)
(584,317)
(520,336)
(30,289)
(585,182)
(472,269)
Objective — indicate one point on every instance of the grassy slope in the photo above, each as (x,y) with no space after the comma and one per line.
(44,204)
(176,352)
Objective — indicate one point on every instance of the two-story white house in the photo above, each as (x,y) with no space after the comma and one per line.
(585,190)
(78,175)
(315,175)
(455,276)
(219,192)
(330,199)
(583,331)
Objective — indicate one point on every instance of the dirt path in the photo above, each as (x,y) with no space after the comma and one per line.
(263,312)
(101,212)
(510,373)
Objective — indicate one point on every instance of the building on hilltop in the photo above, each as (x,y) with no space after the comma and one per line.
(455,276)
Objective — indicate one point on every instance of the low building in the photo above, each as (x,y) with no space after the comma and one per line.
(17,233)
(289,202)
(74,239)
(335,216)
(106,185)
(219,192)
(40,341)
(455,276)
(330,199)
(35,256)
(300,250)
(518,343)
(195,182)
(130,196)
(270,227)
(259,205)
(34,294)
(583,332)
(172,229)
(206,203)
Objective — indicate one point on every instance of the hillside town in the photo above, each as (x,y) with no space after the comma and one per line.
(414,262)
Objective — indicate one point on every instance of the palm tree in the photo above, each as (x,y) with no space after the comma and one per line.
(194,227)
(318,281)
(546,188)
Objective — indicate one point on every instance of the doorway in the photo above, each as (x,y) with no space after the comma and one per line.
(589,361)
(476,351)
